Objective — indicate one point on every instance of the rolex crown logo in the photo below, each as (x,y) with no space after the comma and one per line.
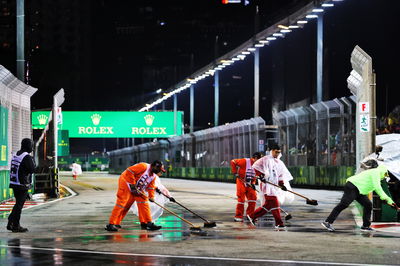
(96,119)
(149,119)
(42,119)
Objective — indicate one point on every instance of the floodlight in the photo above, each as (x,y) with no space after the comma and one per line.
(354,81)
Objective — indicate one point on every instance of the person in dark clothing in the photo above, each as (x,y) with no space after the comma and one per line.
(21,170)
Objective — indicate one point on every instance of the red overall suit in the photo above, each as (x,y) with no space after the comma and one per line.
(246,176)
(134,175)
(269,166)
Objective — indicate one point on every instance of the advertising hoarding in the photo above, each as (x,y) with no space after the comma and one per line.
(107,124)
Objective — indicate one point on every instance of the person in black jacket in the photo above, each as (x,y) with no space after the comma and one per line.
(21,170)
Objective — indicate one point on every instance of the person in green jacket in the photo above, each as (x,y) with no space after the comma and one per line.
(358,187)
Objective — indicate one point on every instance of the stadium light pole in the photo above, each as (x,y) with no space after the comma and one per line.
(175,112)
(216,98)
(58,100)
(256,66)
(191,108)
(320,56)
(21,40)
(361,83)
(256,83)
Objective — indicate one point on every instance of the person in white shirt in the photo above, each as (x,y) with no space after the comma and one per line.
(270,168)
(76,170)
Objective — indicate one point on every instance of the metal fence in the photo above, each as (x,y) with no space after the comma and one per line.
(213,147)
(15,122)
(320,134)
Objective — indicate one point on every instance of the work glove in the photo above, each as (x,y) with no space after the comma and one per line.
(158,191)
(132,187)
(171,199)
(262,178)
(282,186)
(151,199)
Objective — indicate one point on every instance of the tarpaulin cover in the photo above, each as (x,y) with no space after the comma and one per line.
(390,152)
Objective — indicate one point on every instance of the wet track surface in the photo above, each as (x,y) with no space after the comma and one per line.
(71,232)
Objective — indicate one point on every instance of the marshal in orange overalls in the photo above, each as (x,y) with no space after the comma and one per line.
(134,175)
(245,177)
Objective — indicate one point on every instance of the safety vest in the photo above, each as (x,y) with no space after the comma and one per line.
(144,180)
(14,171)
(250,173)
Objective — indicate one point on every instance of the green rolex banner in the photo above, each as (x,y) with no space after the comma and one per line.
(114,124)
(63,143)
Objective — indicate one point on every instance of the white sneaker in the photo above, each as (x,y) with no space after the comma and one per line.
(280,227)
(236,219)
(328,226)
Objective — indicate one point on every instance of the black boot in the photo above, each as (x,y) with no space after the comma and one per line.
(9,225)
(111,228)
(18,229)
(152,227)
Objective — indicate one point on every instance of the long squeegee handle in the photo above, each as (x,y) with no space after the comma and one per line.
(304,197)
(171,212)
(186,208)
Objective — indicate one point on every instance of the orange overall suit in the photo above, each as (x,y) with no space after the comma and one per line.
(134,177)
(246,177)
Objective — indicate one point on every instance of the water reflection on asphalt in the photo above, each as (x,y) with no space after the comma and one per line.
(14,251)
(17,256)
(50,251)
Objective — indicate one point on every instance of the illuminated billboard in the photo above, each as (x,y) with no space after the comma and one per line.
(107,124)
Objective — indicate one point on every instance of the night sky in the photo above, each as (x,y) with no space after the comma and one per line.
(290,63)
(129,49)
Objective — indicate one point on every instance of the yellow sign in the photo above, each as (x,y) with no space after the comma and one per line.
(3,155)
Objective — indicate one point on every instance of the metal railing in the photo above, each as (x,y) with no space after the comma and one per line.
(15,122)
(320,134)
(213,147)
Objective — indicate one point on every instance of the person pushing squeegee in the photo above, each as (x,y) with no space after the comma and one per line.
(208,224)
(193,229)
(308,201)
(273,172)
(288,216)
